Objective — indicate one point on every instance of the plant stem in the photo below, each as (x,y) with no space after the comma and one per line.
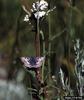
(37,44)
(37,40)
(49,48)
(43,67)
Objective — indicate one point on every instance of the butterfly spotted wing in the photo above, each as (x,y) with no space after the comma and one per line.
(32,62)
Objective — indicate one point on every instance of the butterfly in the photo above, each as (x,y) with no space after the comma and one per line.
(32,62)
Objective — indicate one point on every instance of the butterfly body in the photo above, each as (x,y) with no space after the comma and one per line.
(33,61)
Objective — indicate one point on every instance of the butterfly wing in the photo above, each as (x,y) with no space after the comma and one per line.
(25,61)
(40,61)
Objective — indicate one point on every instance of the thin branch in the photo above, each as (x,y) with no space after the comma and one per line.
(57,35)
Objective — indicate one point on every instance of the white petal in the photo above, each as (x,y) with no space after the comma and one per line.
(26,18)
(43,4)
(39,14)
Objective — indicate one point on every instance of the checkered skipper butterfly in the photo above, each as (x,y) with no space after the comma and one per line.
(32,62)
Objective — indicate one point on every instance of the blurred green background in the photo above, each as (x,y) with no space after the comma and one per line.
(60,28)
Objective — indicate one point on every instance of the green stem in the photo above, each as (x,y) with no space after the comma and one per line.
(49,48)
(43,67)
(30,87)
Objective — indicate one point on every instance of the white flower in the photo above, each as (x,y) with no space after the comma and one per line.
(34,7)
(43,4)
(26,18)
(39,14)
(38,8)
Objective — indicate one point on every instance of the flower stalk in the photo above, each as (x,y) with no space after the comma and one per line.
(49,47)
(43,67)
(37,39)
